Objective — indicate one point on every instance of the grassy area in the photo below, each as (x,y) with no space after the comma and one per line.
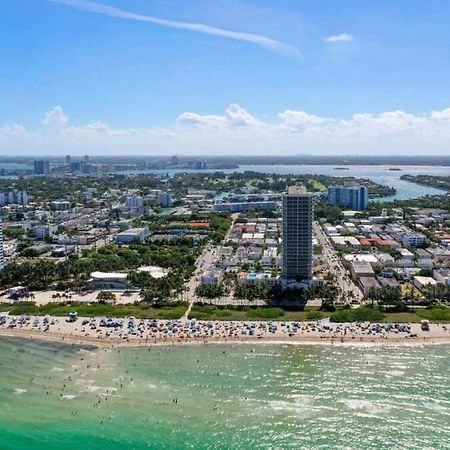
(208,312)
(140,311)
(402,317)
(318,186)
(215,313)
(435,314)
(361,314)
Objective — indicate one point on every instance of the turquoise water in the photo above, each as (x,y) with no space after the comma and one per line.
(238,397)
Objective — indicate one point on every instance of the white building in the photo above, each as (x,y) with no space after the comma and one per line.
(133,235)
(134,201)
(2,257)
(160,197)
(212,278)
(406,254)
(44,231)
(13,197)
(109,280)
(413,240)
(424,283)
(442,276)
(165,199)
(63,205)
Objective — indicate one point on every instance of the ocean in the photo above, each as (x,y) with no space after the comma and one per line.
(56,396)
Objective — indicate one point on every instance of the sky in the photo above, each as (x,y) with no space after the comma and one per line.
(155,77)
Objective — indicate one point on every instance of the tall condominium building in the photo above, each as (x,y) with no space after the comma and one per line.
(2,257)
(166,199)
(352,196)
(13,197)
(134,201)
(298,210)
(199,165)
(157,196)
(41,167)
(82,167)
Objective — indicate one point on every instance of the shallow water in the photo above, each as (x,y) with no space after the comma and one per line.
(235,397)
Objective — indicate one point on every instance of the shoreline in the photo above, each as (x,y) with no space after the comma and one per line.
(104,342)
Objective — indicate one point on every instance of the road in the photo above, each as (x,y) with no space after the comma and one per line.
(204,263)
(335,266)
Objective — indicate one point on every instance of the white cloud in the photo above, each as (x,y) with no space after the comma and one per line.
(238,131)
(111,11)
(443,115)
(300,120)
(14,130)
(235,117)
(343,37)
(55,119)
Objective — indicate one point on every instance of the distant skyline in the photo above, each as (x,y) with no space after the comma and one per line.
(224,77)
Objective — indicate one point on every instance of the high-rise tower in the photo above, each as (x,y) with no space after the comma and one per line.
(297,234)
(2,256)
(353,196)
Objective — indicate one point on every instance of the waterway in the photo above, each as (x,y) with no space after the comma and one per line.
(378,174)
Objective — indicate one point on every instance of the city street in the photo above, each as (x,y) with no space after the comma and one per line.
(335,266)
(204,263)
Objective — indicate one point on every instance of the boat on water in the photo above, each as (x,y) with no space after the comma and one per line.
(395,169)
(341,168)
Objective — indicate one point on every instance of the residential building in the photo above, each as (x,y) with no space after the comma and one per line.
(82,167)
(368,284)
(361,269)
(352,196)
(297,232)
(424,283)
(44,231)
(134,201)
(2,257)
(62,205)
(244,206)
(157,196)
(212,278)
(13,197)
(75,167)
(442,276)
(165,199)
(198,165)
(413,240)
(41,167)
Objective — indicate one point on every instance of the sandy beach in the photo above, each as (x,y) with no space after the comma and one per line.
(104,332)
